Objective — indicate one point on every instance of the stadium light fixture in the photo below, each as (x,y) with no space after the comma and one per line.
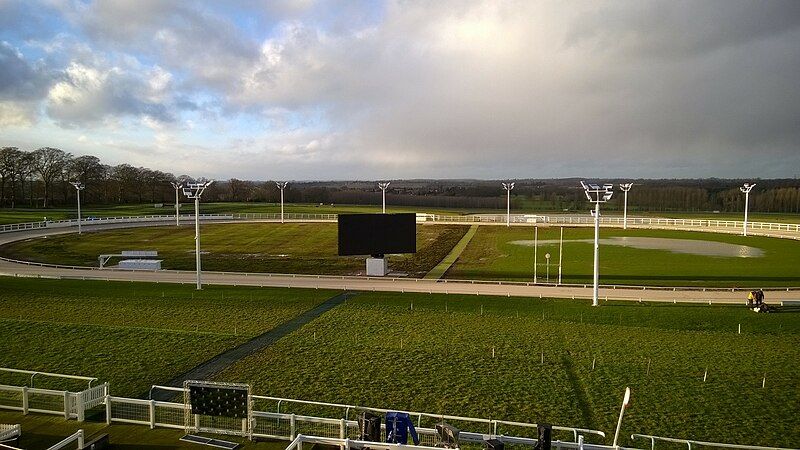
(626,399)
(78,188)
(282,185)
(178,186)
(195,191)
(597,194)
(746,188)
(384,186)
(560,254)
(625,188)
(508,187)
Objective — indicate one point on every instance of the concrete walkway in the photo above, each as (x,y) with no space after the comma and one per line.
(217,364)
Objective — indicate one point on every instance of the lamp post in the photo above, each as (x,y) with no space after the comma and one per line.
(282,185)
(177,187)
(560,253)
(78,188)
(547,258)
(746,188)
(195,191)
(508,187)
(535,252)
(384,186)
(625,400)
(597,194)
(625,188)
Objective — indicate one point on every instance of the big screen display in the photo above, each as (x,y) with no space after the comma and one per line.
(377,234)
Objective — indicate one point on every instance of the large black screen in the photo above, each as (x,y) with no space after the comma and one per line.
(377,234)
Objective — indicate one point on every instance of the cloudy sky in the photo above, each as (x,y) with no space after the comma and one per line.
(312,89)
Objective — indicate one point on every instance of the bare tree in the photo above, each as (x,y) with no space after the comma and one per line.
(48,163)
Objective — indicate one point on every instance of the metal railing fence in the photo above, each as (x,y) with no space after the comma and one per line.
(496,219)
(690,443)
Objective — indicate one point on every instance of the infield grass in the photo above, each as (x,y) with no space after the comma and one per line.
(240,247)
(492,255)
(376,351)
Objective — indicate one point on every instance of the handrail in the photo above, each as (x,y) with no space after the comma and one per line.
(33,373)
(419,415)
(75,437)
(690,442)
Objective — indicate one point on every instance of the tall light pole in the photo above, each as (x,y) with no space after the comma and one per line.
(195,191)
(560,253)
(746,188)
(508,187)
(384,186)
(597,194)
(282,185)
(78,188)
(177,187)
(625,188)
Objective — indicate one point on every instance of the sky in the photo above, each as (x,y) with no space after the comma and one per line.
(329,90)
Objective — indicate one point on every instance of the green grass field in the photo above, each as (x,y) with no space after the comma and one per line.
(133,334)
(251,247)
(376,351)
(491,255)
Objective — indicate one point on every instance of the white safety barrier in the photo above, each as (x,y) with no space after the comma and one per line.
(690,443)
(9,431)
(75,438)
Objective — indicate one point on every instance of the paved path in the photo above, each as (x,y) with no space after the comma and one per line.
(441,268)
(373,284)
(215,365)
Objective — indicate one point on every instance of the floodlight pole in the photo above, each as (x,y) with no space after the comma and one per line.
(282,185)
(625,188)
(384,186)
(535,251)
(508,187)
(560,252)
(177,187)
(597,194)
(746,188)
(195,191)
(78,188)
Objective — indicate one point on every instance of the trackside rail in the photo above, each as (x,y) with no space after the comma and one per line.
(692,443)
(34,373)
(75,438)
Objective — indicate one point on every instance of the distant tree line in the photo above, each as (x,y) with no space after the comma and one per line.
(41,179)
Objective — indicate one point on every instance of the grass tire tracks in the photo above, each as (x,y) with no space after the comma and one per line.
(222,361)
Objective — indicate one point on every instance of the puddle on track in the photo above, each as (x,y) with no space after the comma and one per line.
(687,246)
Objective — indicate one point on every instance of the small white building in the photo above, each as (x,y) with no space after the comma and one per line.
(141,264)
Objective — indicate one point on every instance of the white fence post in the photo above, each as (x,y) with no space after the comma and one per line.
(292,426)
(108,409)
(25,400)
(152,407)
(342,429)
(80,439)
(66,405)
(79,406)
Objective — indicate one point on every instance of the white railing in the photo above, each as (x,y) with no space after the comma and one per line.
(72,405)
(516,219)
(75,438)
(478,426)
(690,442)
(9,431)
(34,373)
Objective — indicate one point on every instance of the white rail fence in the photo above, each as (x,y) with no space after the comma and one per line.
(338,428)
(496,219)
(75,438)
(9,431)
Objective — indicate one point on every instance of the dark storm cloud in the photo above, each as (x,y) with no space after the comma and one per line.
(19,80)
